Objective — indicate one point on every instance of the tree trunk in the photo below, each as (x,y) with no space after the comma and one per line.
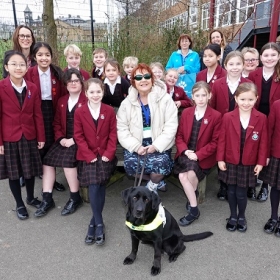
(50,32)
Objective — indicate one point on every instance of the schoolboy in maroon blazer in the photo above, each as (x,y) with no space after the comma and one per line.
(256,77)
(16,122)
(220,98)
(58,89)
(219,73)
(59,122)
(255,149)
(207,137)
(96,137)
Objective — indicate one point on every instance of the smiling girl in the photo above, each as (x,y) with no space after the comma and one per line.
(21,133)
(241,152)
(95,134)
(196,143)
(267,80)
(48,78)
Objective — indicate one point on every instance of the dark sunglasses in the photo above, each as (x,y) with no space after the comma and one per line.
(140,77)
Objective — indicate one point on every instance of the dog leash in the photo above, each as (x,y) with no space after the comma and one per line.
(142,170)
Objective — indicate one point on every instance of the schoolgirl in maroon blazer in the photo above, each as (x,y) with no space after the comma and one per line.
(22,131)
(241,152)
(63,152)
(223,91)
(48,78)
(95,134)
(211,58)
(267,80)
(177,93)
(196,143)
(271,174)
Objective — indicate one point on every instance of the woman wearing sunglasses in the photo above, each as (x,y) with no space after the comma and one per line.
(146,124)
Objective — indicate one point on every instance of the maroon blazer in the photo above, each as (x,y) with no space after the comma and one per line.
(207,137)
(219,73)
(91,140)
(16,121)
(180,95)
(83,72)
(58,88)
(59,123)
(274,130)
(220,100)
(256,77)
(256,142)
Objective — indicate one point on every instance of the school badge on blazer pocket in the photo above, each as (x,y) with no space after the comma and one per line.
(255,135)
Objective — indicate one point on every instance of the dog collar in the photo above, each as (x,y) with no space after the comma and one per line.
(158,220)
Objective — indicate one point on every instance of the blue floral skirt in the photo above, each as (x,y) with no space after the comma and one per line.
(158,163)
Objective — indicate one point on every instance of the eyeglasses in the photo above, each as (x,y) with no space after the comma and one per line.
(14,65)
(140,77)
(22,36)
(251,60)
(73,81)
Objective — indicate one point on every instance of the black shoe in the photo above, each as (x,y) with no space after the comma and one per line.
(277,229)
(44,208)
(231,224)
(270,226)
(222,193)
(187,220)
(90,237)
(263,195)
(100,240)
(22,182)
(71,206)
(59,187)
(251,193)
(34,202)
(22,213)
(241,225)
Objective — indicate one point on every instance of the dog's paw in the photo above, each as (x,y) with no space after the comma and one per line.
(173,257)
(128,260)
(155,270)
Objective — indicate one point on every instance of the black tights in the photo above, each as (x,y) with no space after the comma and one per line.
(237,199)
(274,202)
(156,178)
(16,190)
(97,201)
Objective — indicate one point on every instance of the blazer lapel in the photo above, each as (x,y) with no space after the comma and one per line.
(102,117)
(205,121)
(274,87)
(224,89)
(88,117)
(9,90)
(236,120)
(252,123)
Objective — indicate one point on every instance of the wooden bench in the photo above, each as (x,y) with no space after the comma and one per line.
(118,177)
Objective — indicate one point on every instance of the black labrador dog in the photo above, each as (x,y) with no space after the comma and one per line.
(147,225)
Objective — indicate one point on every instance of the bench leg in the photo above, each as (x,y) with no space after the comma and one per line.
(202,189)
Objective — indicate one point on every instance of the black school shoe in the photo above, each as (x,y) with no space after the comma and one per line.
(251,194)
(187,220)
(231,224)
(90,237)
(44,208)
(71,206)
(241,225)
(222,193)
(59,187)
(35,202)
(263,195)
(22,213)
(270,226)
(277,229)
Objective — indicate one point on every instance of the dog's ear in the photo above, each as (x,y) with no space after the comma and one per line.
(155,200)
(126,193)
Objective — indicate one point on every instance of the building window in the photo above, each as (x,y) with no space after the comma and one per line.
(205,16)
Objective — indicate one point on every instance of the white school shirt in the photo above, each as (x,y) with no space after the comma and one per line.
(94,114)
(19,89)
(72,103)
(233,86)
(45,84)
(112,87)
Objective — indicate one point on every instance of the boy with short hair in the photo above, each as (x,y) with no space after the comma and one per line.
(99,57)
(73,56)
(129,63)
